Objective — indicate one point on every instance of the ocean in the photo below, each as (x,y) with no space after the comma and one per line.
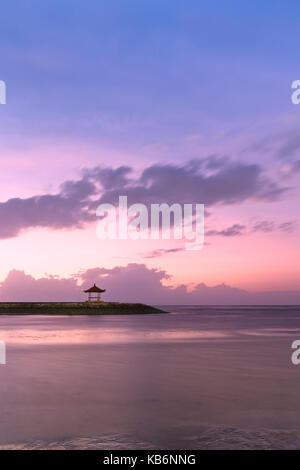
(196,378)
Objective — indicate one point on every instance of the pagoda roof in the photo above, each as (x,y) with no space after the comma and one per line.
(94,288)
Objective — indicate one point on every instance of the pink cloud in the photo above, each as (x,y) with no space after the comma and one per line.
(133,283)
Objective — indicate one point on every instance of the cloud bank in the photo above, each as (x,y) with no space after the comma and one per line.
(208,181)
(133,283)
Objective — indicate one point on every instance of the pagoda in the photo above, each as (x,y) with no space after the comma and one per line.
(94,293)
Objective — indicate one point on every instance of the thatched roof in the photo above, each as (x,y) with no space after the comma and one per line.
(94,288)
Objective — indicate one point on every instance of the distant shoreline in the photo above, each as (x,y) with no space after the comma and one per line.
(76,308)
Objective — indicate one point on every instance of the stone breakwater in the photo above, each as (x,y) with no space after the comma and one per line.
(75,308)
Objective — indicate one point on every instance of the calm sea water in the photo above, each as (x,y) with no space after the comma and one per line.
(199,377)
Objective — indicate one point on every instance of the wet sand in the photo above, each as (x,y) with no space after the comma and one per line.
(197,378)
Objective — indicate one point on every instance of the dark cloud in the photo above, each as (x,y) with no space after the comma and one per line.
(289,146)
(52,211)
(284,145)
(133,283)
(162,251)
(232,231)
(262,145)
(296,166)
(231,184)
(110,178)
(75,203)
(270,226)
(264,226)
(287,226)
(78,190)
(215,162)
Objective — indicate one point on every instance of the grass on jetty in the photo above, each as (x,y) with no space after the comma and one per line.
(75,308)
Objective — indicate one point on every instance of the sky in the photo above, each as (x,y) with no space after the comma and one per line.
(166,102)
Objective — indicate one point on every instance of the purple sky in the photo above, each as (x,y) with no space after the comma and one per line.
(162,102)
